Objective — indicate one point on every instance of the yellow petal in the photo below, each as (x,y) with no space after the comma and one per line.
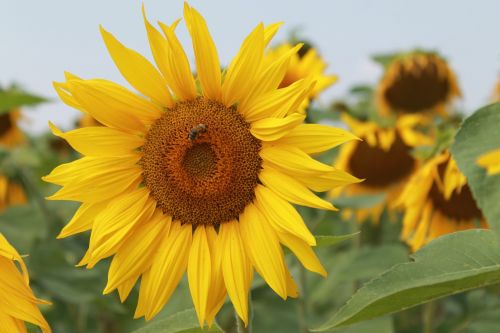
(292,190)
(207,59)
(270,31)
(236,267)
(272,129)
(244,67)
(83,219)
(316,138)
(199,272)
(263,248)
(282,215)
(291,286)
(99,141)
(303,252)
(138,71)
(134,256)
(167,269)
(217,291)
(172,60)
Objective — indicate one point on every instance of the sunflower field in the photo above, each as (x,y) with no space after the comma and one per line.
(199,191)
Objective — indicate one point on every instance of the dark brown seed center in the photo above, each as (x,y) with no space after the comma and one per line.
(381,168)
(418,88)
(5,123)
(201,163)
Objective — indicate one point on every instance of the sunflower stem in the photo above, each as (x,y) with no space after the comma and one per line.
(428,316)
(302,300)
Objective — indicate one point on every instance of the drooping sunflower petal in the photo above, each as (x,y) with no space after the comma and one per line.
(272,129)
(138,71)
(263,248)
(199,272)
(83,219)
(99,140)
(217,291)
(133,257)
(292,190)
(316,138)
(207,59)
(303,252)
(236,267)
(283,216)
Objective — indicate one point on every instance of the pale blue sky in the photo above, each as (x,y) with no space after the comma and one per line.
(39,40)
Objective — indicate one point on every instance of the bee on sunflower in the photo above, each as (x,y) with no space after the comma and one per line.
(383,158)
(417,82)
(179,179)
(18,304)
(11,192)
(437,201)
(304,63)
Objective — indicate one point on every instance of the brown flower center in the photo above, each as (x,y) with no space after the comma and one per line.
(461,206)
(418,87)
(5,123)
(381,168)
(201,163)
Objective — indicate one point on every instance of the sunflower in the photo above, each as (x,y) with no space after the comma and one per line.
(438,201)
(415,83)
(197,181)
(490,161)
(382,158)
(87,120)
(304,63)
(17,302)
(11,193)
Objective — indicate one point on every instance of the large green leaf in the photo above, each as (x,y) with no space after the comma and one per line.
(448,265)
(181,322)
(480,134)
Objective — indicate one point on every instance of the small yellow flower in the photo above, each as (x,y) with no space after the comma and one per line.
(383,159)
(438,201)
(417,82)
(302,65)
(180,180)
(17,302)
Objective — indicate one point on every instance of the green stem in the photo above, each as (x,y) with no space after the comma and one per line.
(428,317)
(303,300)
(240,325)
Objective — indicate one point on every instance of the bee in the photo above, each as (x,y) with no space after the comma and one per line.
(196,131)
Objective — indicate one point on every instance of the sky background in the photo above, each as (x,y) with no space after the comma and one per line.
(39,40)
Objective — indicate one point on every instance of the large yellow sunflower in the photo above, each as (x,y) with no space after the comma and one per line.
(437,201)
(17,302)
(383,159)
(304,63)
(182,180)
(417,82)
(11,193)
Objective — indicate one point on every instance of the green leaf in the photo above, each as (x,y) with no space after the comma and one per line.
(322,241)
(181,322)
(446,266)
(13,98)
(478,135)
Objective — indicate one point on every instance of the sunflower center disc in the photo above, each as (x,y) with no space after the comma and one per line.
(418,88)
(460,206)
(381,168)
(5,123)
(201,163)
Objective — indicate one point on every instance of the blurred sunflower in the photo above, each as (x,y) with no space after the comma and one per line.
(490,161)
(383,159)
(304,63)
(496,92)
(17,302)
(201,181)
(11,193)
(417,82)
(437,201)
